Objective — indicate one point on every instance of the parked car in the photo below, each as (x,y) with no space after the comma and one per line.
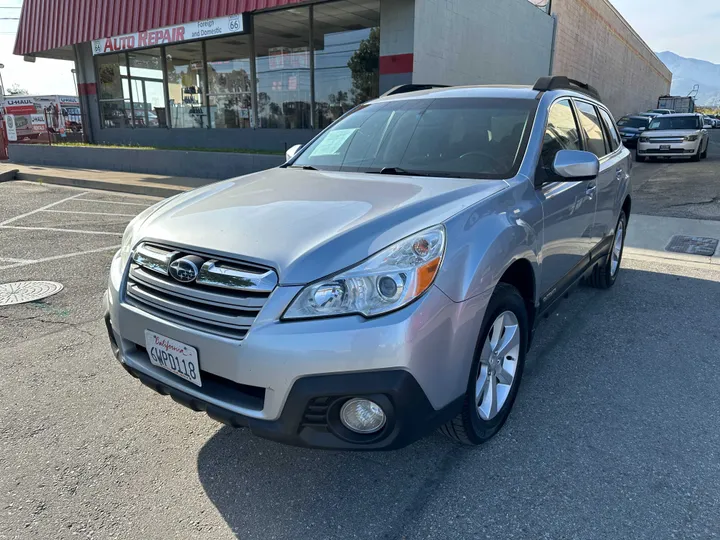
(661,111)
(388,279)
(631,127)
(708,122)
(674,135)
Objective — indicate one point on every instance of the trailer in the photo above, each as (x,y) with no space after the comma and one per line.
(679,104)
(59,114)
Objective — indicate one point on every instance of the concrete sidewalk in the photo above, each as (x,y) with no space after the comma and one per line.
(648,236)
(140,184)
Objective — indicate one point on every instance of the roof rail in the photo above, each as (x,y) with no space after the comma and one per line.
(404,88)
(545,84)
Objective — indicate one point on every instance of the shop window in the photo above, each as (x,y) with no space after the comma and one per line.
(113,91)
(229,88)
(346,46)
(282,65)
(186,86)
(148,89)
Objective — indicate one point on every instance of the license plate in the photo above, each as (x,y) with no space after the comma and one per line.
(664,147)
(174,356)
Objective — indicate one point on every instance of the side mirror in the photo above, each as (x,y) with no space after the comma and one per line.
(576,165)
(290,153)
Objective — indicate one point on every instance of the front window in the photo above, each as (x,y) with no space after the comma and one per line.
(114,91)
(463,137)
(282,65)
(186,85)
(347,57)
(229,90)
(675,122)
(146,79)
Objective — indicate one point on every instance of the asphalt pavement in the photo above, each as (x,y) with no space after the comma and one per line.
(614,433)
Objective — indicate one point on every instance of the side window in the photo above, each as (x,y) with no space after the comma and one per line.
(591,125)
(561,133)
(611,130)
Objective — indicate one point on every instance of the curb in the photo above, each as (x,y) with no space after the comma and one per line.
(7,176)
(152,190)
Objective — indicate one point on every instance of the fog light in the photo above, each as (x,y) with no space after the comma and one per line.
(362,416)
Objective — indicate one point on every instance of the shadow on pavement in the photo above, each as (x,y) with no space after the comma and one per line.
(614,435)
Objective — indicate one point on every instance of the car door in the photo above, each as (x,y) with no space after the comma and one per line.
(613,172)
(568,207)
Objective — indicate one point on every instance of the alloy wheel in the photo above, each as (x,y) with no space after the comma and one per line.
(617,249)
(498,364)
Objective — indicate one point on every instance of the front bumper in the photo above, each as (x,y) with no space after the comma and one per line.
(674,149)
(287,380)
(629,140)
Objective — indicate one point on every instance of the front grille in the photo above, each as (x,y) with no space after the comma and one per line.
(222,298)
(671,151)
(666,140)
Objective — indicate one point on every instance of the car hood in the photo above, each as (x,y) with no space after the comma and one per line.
(654,133)
(308,224)
(628,129)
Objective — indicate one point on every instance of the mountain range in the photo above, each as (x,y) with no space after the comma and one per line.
(687,72)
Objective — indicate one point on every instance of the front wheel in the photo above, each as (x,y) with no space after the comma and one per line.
(496,370)
(704,154)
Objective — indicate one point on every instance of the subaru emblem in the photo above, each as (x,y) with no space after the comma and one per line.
(186,269)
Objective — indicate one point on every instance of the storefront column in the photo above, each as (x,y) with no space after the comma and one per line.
(397,21)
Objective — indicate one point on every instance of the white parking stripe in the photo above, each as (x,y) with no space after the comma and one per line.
(114,202)
(11,220)
(10,260)
(58,257)
(88,213)
(59,230)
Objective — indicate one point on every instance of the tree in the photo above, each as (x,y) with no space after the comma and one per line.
(365,67)
(16,90)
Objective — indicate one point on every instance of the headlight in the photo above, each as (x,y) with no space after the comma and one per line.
(387,281)
(644,139)
(691,138)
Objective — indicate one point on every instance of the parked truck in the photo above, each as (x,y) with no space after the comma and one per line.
(679,104)
(35,114)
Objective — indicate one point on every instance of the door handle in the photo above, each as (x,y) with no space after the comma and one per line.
(619,174)
(590,191)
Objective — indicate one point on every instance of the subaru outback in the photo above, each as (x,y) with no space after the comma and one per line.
(387,280)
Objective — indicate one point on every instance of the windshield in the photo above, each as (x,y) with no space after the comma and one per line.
(675,122)
(463,137)
(633,122)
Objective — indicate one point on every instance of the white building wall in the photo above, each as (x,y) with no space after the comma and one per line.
(481,42)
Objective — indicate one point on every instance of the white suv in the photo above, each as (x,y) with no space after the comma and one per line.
(674,135)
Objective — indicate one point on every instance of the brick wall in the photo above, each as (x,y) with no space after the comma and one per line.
(596,45)
(481,42)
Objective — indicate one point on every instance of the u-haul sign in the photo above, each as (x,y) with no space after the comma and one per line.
(232,24)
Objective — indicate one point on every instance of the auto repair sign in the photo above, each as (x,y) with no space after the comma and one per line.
(232,24)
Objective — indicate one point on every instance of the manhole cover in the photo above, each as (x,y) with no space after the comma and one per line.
(693,245)
(27,291)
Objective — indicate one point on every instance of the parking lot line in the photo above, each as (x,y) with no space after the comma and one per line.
(80,231)
(88,213)
(11,260)
(113,202)
(58,257)
(21,216)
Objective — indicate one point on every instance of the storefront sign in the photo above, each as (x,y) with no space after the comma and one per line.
(38,122)
(11,127)
(232,24)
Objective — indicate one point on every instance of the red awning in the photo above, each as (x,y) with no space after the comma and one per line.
(52,24)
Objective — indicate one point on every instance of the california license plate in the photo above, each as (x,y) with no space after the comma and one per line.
(664,147)
(174,356)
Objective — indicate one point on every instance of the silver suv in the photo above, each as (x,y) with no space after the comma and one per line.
(387,280)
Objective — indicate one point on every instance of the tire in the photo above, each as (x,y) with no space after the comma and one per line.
(704,154)
(604,275)
(639,158)
(696,156)
(469,427)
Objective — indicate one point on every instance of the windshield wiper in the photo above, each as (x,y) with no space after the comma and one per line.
(399,171)
(303,167)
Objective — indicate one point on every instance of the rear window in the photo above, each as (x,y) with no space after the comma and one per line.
(462,137)
(675,122)
(633,122)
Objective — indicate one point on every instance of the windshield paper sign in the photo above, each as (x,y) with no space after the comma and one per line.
(232,24)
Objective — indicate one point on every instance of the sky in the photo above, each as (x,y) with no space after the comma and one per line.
(661,23)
